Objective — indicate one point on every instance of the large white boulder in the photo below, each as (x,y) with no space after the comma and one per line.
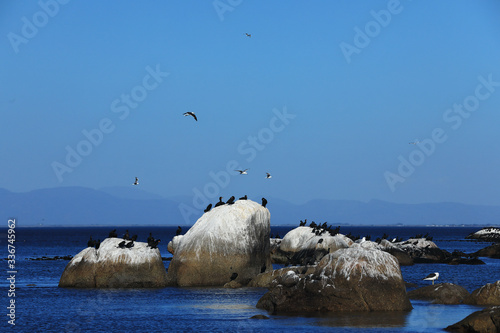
(113,267)
(230,242)
(303,238)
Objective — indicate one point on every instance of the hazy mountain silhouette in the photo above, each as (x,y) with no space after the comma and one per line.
(72,206)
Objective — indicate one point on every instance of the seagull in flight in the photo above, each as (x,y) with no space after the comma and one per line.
(247,34)
(191,114)
(242,172)
(268,175)
(136,181)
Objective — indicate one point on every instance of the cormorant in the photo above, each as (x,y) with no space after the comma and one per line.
(150,238)
(121,245)
(220,203)
(113,233)
(208,208)
(126,236)
(264,202)
(129,244)
(179,231)
(91,242)
(230,201)
(154,244)
(134,238)
(244,198)
(234,276)
(97,244)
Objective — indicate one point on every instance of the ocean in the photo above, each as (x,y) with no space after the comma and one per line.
(41,306)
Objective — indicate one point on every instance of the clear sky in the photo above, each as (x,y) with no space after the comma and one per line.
(326,96)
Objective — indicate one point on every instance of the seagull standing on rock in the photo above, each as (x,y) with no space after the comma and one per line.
(431,277)
(190,114)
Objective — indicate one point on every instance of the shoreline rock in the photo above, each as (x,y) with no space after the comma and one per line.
(441,293)
(114,267)
(488,294)
(488,234)
(487,320)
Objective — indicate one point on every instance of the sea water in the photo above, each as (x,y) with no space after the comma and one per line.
(43,307)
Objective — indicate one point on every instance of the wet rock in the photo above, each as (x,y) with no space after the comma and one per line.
(488,294)
(226,240)
(113,267)
(441,293)
(492,251)
(353,279)
(484,321)
(489,234)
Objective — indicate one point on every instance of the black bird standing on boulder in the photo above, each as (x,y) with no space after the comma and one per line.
(113,233)
(126,236)
(133,238)
(121,245)
(244,198)
(129,244)
(179,231)
(220,203)
(230,201)
(150,238)
(208,208)
(264,202)
(91,242)
(97,244)
(154,244)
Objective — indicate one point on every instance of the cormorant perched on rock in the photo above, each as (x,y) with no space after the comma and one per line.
(97,244)
(230,201)
(220,203)
(154,244)
(129,244)
(113,233)
(303,223)
(264,202)
(150,238)
(133,238)
(208,208)
(234,276)
(122,245)
(126,236)
(263,268)
(179,231)
(91,242)
(244,198)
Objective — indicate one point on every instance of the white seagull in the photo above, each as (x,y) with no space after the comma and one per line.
(242,172)
(268,175)
(191,114)
(247,34)
(136,181)
(431,277)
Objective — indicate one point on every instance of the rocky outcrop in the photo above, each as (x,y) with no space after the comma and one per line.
(303,246)
(173,243)
(489,234)
(488,294)
(422,250)
(442,293)
(492,251)
(228,243)
(114,267)
(484,321)
(352,279)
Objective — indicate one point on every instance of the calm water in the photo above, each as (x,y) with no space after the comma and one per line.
(43,307)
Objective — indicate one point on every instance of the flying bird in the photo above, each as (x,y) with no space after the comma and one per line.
(247,34)
(431,277)
(136,181)
(268,175)
(414,142)
(242,172)
(191,114)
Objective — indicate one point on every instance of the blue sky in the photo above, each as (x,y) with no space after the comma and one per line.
(293,99)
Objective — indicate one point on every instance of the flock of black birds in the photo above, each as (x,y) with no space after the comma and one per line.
(230,201)
(128,242)
(320,229)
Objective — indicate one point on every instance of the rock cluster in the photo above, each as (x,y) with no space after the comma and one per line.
(484,321)
(489,234)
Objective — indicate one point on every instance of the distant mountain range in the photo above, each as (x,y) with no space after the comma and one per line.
(79,206)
